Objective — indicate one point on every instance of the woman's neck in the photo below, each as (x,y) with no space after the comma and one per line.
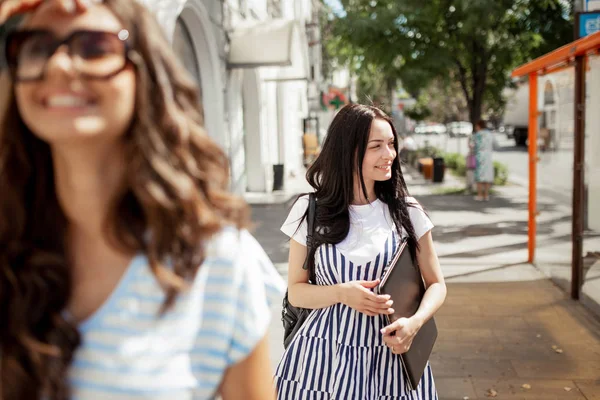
(87,178)
(358,197)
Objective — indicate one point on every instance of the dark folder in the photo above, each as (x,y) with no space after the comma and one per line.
(403,282)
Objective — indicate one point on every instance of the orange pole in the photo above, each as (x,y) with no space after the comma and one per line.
(532,133)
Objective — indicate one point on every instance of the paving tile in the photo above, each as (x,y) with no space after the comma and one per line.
(510,323)
(468,350)
(467,335)
(447,367)
(528,346)
(581,351)
(491,310)
(455,367)
(516,352)
(553,318)
(458,309)
(455,389)
(558,367)
(511,389)
(591,389)
(577,335)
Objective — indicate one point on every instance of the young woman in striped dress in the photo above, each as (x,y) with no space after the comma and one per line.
(125,268)
(345,350)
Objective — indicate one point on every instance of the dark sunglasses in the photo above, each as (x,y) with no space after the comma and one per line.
(94,54)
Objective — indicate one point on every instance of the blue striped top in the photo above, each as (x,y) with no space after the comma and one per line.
(129,352)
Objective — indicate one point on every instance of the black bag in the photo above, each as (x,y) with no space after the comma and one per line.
(293,317)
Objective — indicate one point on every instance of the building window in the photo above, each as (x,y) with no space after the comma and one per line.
(548,94)
(183,44)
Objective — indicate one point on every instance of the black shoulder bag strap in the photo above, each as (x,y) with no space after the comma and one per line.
(312,208)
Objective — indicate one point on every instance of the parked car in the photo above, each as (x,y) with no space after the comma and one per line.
(436,129)
(430,128)
(460,128)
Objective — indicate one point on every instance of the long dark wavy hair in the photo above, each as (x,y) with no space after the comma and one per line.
(332,176)
(175,197)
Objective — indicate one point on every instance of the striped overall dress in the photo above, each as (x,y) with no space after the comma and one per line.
(339,354)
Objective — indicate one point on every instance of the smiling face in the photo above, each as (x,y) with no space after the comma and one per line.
(380,153)
(67,106)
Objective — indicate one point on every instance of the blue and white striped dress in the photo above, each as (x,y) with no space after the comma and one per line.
(128,352)
(339,352)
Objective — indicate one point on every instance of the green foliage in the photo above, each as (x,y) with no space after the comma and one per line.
(474,43)
(451,160)
(420,111)
(500,173)
(450,191)
(461,166)
(373,87)
(429,151)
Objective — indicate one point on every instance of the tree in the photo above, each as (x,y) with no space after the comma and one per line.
(375,82)
(473,42)
(420,110)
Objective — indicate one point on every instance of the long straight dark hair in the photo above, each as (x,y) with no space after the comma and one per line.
(332,177)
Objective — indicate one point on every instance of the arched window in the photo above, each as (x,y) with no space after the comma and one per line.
(183,44)
(548,94)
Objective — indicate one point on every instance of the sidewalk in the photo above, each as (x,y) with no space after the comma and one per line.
(292,186)
(505,324)
(503,222)
(505,329)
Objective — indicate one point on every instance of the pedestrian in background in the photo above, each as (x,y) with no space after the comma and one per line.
(483,148)
(125,268)
(345,350)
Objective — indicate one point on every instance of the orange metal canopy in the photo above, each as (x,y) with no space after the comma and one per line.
(560,56)
(555,61)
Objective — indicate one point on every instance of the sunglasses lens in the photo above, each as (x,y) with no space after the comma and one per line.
(98,54)
(29,53)
(94,54)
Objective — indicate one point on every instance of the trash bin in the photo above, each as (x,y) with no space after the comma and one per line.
(426,167)
(278,177)
(438,169)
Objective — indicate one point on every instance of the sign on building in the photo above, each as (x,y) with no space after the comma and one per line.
(592,5)
(588,23)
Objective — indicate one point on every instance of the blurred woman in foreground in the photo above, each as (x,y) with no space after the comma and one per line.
(125,269)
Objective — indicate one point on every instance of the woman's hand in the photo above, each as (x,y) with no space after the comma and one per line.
(399,335)
(358,296)
(11,8)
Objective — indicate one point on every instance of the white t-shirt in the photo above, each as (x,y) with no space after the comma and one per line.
(128,352)
(370,226)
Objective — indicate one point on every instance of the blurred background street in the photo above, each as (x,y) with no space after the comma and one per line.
(556,168)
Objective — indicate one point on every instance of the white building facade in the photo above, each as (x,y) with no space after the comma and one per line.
(251,60)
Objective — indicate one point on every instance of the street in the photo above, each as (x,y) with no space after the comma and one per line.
(555,169)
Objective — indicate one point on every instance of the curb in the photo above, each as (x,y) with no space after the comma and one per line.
(517,180)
